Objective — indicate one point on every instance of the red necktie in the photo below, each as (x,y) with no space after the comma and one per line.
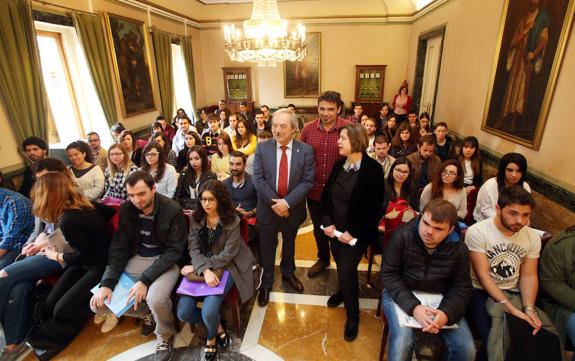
(283,176)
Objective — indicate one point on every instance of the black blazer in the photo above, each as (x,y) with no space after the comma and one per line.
(366,199)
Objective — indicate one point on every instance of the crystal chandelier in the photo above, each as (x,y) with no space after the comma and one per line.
(265,39)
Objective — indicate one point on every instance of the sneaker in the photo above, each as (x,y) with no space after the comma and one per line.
(317,268)
(164,350)
(335,300)
(99,318)
(110,322)
(20,350)
(149,325)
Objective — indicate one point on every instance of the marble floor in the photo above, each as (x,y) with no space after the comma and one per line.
(292,327)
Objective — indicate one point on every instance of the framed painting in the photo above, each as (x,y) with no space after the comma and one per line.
(532,39)
(131,58)
(302,78)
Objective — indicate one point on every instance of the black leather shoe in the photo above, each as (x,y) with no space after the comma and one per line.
(335,300)
(294,283)
(263,297)
(317,268)
(210,353)
(351,327)
(223,339)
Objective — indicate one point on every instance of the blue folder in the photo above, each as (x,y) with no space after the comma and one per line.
(118,303)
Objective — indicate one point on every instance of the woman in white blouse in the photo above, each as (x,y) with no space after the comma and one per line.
(87,176)
(447,184)
(165,176)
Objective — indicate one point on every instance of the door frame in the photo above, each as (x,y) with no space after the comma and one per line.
(420,64)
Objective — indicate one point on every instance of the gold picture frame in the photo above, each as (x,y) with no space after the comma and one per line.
(130,51)
(530,49)
(302,79)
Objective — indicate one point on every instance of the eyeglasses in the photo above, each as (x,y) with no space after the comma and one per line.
(152,155)
(116,154)
(448,173)
(402,172)
(207,199)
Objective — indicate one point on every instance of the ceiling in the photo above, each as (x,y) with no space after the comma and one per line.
(215,11)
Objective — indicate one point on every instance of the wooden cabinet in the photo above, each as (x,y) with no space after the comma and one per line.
(237,84)
(369,80)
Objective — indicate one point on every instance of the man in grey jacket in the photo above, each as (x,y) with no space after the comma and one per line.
(151,239)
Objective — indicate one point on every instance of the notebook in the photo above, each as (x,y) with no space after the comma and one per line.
(198,289)
(118,303)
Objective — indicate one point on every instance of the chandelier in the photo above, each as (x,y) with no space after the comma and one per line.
(265,39)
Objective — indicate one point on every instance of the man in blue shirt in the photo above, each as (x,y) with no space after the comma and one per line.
(16,224)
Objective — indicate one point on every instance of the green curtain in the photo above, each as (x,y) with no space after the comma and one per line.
(163,55)
(21,86)
(91,33)
(186,43)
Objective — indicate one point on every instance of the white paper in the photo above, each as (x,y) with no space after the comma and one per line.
(432,300)
(338,234)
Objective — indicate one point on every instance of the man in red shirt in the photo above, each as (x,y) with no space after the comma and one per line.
(322,135)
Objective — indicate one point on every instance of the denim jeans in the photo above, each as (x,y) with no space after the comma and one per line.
(9,258)
(209,314)
(21,278)
(457,343)
(571,331)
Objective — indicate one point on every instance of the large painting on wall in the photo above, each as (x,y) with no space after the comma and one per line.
(130,54)
(302,78)
(532,39)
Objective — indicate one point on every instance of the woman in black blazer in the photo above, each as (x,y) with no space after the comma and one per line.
(351,201)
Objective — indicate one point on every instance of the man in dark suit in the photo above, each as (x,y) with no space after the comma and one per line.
(283,175)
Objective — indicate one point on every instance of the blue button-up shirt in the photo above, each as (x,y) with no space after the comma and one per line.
(16,220)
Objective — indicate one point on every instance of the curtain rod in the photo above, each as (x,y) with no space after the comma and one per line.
(62,7)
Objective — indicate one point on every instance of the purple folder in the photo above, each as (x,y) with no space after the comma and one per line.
(199,289)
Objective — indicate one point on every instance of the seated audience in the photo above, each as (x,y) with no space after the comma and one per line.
(116,129)
(56,244)
(245,140)
(382,116)
(399,199)
(447,184)
(99,154)
(390,128)
(300,119)
(233,120)
(241,188)
(46,165)
(424,126)
(215,246)
(504,253)
(222,108)
(202,123)
(425,164)
(223,115)
(150,241)
(16,224)
(471,162)
(180,113)
(210,135)
(355,118)
(267,114)
(192,138)
(156,128)
(380,153)
(412,120)
(164,174)
(260,124)
(558,281)
(444,146)
(87,176)
(167,129)
(35,149)
(262,137)
(220,161)
(512,170)
(119,168)
(193,176)
(130,143)
(169,155)
(351,202)
(403,143)
(426,255)
(244,111)
(371,128)
(178,142)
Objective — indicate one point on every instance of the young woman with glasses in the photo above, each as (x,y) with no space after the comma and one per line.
(164,174)
(447,184)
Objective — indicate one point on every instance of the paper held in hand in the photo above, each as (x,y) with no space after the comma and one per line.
(338,234)
(427,299)
(119,303)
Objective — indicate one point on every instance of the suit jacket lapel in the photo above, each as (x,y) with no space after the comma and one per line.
(274,146)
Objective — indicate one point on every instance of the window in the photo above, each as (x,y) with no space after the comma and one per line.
(74,106)
(182,97)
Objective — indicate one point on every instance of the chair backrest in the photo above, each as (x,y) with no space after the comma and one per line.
(142,143)
(471,201)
